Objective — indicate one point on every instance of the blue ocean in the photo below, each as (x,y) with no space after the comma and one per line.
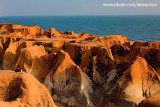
(134,27)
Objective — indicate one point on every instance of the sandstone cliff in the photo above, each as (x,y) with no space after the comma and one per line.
(152,101)
(139,81)
(78,70)
(21,90)
(67,83)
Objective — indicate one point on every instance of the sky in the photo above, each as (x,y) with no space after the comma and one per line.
(74,7)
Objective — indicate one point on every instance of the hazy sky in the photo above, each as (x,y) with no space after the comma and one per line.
(72,7)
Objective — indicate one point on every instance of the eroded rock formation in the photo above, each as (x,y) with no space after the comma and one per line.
(78,70)
(152,101)
(19,90)
(68,84)
(139,81)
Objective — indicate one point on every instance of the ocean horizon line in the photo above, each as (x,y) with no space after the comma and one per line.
(84,15)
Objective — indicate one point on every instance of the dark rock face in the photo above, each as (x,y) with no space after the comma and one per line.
(67,83)
(78,56)
(14,90)
(152,101)
(22,90)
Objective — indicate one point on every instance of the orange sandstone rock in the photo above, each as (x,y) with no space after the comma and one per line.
(68,33)
(110,65)
(90,37)
(12,53)
(1,50)
(99,66)
(25,30)
(30,60)
(67,83)
(112,40)
(139,81)
(28,30)
(22,90)
(151,55)
(82,52)
(146,44)
(83,35)
(54,33)
(28,57)
(5,27)
(152,101)
(1,55)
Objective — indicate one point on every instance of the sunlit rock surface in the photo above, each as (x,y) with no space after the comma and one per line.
(77,69)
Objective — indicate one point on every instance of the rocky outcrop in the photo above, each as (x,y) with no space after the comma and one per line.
(54,33)
(81,70)
(104,72)
(53,46)
(22,90)
(146,44)
(1,50)
(29,58)
(83,35)
(151,55)
(32,60)
(112,40)
(69,35)
(99,66)
(25,30)
(90,37)
(7,39)
(12,53)
(82,52)
(1,55)
(28,30)
(5,27)
(138,82)
(152,101)
(67,83)
(121,83)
